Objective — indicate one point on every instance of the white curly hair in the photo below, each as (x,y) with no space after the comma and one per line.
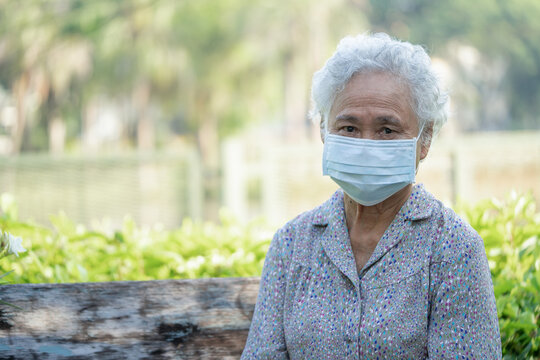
(380,52)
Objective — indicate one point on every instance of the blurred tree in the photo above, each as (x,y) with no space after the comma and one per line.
(41,64)
(504,32)
(208,67)
(205,68)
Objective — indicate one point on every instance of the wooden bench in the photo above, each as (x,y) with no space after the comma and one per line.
(163,319)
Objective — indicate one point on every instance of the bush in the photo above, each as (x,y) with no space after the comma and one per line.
(71,253)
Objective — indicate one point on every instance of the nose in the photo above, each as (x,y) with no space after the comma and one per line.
(368,135)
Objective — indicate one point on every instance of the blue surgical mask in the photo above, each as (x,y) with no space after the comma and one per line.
(369,171)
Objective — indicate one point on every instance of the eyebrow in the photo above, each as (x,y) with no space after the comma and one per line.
(388,120)
(346,118)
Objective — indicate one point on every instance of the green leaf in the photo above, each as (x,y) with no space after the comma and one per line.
(8,304)
(6,274)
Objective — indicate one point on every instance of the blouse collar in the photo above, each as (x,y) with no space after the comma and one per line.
(419,206)
(335,238)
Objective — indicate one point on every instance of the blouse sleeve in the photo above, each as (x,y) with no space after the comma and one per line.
(463,322)
(266,338)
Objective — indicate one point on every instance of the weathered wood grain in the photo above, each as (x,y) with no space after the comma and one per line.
(165,319)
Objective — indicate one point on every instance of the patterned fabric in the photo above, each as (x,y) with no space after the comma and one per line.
(425,293)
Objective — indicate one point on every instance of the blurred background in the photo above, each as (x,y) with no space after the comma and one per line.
(174,109)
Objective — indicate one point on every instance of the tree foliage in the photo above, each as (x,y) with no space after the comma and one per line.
(199,67)
(206,68)
(505,31)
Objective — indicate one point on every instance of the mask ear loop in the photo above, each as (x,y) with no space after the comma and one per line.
(416,144)
(325,129)
(420,132)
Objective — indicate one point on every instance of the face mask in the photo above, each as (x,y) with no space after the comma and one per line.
(369,171)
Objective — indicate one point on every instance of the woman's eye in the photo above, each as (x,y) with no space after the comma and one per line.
(349,128)
(387,130)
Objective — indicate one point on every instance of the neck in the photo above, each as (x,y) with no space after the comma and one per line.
(379,214)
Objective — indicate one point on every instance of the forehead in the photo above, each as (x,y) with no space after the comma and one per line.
(374,94)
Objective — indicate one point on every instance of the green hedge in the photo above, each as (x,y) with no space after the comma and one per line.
(68,252)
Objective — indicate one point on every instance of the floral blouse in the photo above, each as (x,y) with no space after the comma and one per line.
(425,293)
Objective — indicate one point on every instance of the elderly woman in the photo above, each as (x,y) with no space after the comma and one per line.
(382,270)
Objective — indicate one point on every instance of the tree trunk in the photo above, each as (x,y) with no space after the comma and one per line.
(145,123)
(208,145)
(19,89)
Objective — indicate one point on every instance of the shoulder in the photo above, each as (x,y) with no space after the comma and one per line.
(460,288)
(451,236)
(457,240)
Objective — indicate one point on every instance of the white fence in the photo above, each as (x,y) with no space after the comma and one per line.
(160,188)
